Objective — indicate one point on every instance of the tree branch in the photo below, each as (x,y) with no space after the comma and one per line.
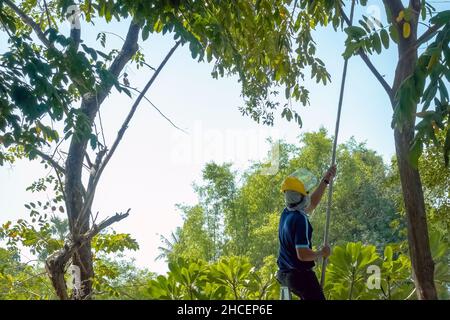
(91,188)
(427,35)
(48,14)
(88,160)
(90,105)
(50,160)
(377,74)
(106,223)
(133,109)
(129,48)
(28,21)
(370,65)
(90,191)
(56,263)
(157,109)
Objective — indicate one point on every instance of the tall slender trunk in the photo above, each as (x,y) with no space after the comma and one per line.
(419,248)
(82,257)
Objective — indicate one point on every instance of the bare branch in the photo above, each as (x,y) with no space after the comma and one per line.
(124,127)
(93,180)
(90,105)
(129,48)
(47,13)
(50,160)
(157,109)
(88,160)
(91,188)
(101,128)
(106,223)
(27,20)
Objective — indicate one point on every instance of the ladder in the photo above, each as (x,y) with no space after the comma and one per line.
(285,293)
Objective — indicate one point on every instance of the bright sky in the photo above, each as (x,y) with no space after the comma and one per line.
(155,165)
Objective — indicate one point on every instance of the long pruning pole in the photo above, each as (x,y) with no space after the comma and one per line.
(333,157)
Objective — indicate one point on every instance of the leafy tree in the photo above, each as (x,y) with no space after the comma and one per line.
(168,244)
(267,44)
(53,77)
(118,277)
(195,240)
(363,209)
(409,89)
(22,281)
(436,185)
(215,194)
(44,236)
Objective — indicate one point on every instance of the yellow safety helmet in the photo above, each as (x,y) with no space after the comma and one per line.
(293,184)
(301,181)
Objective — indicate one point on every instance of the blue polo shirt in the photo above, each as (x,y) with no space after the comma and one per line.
(294,232)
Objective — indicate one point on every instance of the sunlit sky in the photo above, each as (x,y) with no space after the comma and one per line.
(154,167)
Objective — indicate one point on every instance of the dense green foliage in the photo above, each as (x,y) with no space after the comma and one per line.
(269,45)
(241,217)
(227,246)
(238,216)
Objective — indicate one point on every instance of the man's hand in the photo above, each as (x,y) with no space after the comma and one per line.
(329,175)
(318,193)
(325,251)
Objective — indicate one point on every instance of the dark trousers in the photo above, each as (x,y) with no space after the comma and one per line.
(303,283)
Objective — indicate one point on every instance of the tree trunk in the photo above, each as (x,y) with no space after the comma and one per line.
(82,257)
(419,248)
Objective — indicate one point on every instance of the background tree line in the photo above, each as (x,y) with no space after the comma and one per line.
(227,245)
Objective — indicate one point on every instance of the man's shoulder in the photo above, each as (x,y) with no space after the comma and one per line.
(296,216)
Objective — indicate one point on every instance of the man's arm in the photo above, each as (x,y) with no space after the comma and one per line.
(306,254)
(316,196)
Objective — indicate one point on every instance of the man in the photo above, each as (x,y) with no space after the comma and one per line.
(296,257)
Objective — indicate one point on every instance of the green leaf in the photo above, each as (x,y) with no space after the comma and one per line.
(158,26)
(93,141)
(90,51)
(384,38)
(376,43)
(145,33)
(388,253)
(364,24)
(394,33)
(442,17)
(355,32)
(443,91)
(423,11)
